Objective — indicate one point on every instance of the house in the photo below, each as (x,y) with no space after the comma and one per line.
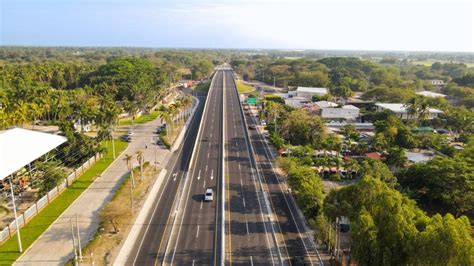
(325,104)
(296,102)
(308,92)
(437,82)
(374,155)
(400,110)
(345,113)
(431,94)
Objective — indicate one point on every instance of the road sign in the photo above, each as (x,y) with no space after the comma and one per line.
(252,100)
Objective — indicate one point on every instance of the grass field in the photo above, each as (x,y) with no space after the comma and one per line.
(242,88)
(203,87)
(9,250)
(430,62)
(141,120)
(118,209)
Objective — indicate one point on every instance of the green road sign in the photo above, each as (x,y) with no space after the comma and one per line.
(252,100)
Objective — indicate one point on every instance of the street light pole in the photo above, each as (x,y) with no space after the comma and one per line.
(20,248)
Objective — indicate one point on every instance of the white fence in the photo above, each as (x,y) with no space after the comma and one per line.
(32,211)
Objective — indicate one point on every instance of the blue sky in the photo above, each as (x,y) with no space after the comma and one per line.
(417,25)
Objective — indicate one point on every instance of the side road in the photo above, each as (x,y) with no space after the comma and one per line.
(54,247)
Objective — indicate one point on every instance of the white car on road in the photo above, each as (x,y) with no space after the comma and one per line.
(209,195)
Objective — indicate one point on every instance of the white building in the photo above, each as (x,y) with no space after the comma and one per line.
(345,113)
(325,104)
(431,94)
(296,102)
(400,110)
(308,93)
(437,82)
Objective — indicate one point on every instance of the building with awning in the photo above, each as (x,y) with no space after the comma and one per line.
(18,148)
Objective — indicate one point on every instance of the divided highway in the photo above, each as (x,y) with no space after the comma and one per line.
(250,221)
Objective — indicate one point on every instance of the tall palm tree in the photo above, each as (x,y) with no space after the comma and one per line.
(140,159)
(412,107)
(165,115)
(128,158)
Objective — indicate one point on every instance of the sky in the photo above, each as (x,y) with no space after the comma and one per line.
(403,25)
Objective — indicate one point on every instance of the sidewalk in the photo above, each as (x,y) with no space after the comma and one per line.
(54,247)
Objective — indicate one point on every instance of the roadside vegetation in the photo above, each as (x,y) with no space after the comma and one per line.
(202,87)
(243,88)
(32,230)
(116,217)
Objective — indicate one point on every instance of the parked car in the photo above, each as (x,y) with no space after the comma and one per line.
(209,195)
(126,137)
(266,135)
(252,126)
(263,123)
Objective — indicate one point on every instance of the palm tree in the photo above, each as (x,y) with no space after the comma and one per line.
(423,111)
(174,110)
(188,102)
(128,159)
(165,115)
(140,162)
(412,107)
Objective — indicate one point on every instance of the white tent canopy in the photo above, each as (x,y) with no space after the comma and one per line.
(19,147)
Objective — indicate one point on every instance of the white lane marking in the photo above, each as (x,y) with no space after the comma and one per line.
(199,175)
(206,168)
(241,183)
(251,261)
(243,200)
(209,147)
(201,204)
(239,167)
(238,154)
(204,185)
(193,261)
(212,174)
(247,225)
(210,136)
(197,232)
(208,153)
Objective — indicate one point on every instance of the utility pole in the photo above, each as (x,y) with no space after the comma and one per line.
(78,239)
(155,142)
(131,196)
(113,142)
(73,242)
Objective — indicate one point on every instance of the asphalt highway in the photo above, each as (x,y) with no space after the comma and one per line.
(148,250)
(195,235)
(248,234)
(256,222)
(297,239)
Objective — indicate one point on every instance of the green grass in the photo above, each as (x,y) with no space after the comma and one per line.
(203,87)
(242,88)
(9,249)
(141,120)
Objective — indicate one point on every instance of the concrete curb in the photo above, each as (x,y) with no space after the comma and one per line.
(140,221)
